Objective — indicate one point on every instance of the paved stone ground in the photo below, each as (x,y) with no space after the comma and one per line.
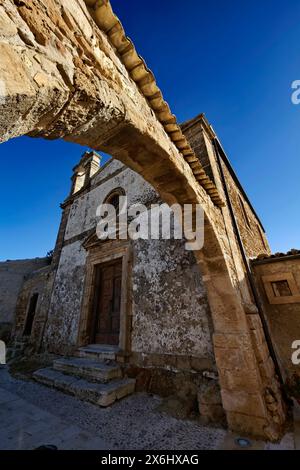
(24,426)
(132,423)
(32,414)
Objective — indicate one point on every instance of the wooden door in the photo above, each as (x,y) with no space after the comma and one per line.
(108,303)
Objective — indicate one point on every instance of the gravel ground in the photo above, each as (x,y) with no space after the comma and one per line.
(132,423)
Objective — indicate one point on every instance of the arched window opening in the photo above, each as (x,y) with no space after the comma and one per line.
(113,198)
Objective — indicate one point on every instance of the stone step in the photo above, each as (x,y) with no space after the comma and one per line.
(98,352)
(102,394)
(85,368)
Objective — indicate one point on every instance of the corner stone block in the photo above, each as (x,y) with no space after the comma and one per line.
(244,379)
(230,340)
(267,369)
(262,352)
(245,424)
(235,359)
(254,322)
(258,335)
(243,402)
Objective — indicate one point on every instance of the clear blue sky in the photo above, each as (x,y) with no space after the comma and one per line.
(233,60)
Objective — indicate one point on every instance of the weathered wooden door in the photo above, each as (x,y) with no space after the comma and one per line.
(108,302)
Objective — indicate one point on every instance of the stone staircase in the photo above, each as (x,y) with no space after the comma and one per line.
(93,375)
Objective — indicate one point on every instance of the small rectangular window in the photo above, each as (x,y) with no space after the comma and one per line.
(281,288)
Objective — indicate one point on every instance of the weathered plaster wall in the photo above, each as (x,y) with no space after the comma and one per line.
(64,313)
(12,274)
(82,215)
(170,309)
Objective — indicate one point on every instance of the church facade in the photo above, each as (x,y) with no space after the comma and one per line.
(162,303)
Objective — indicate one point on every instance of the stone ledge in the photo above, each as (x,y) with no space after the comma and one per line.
(172,361)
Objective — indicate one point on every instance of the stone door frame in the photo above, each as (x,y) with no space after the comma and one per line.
(102,253)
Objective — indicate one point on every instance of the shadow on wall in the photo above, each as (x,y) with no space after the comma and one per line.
(2,353)
(5,332)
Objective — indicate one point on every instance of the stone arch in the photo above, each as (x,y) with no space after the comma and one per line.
(64,77)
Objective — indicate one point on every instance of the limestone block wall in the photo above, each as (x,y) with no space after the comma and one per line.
(252,233)
(38,283)
(201,136)
(12,274)
(278,282)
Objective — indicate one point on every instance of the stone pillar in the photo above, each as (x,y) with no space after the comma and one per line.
(250,391)
(92,163)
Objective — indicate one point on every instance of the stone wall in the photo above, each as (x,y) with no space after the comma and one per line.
(201,136)
(39,283)
(82,217)
(251,231)
(278,282)
(12,275)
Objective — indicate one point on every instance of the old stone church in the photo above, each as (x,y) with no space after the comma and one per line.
(141,304)
(216,324)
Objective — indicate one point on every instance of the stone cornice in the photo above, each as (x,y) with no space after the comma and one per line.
(277,257)
(102,13)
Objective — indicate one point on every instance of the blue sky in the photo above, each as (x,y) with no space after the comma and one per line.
(233,60)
